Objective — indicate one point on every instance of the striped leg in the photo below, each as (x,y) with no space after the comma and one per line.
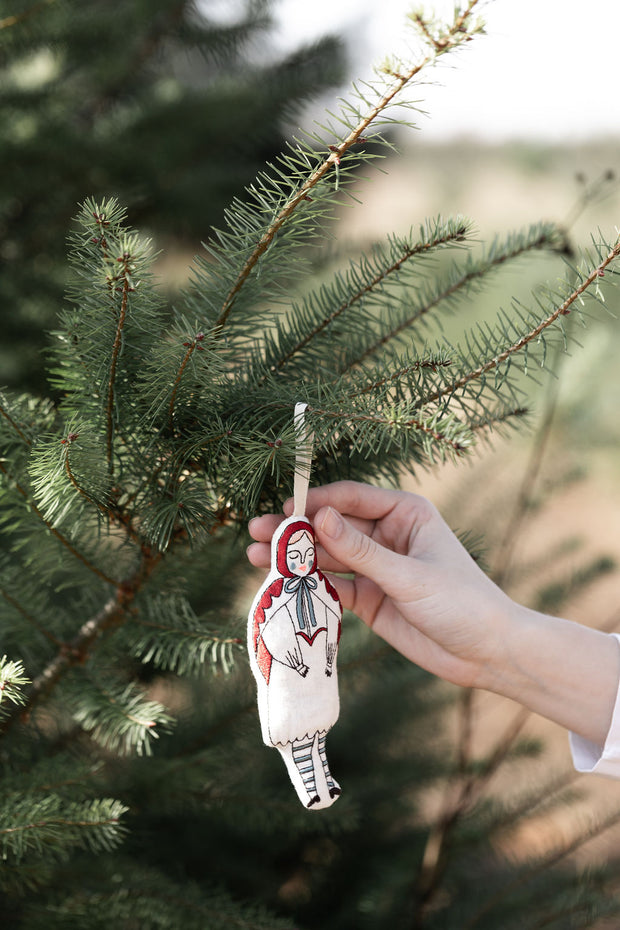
(302,757)
(332,784)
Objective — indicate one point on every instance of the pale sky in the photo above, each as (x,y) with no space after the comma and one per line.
(547,69)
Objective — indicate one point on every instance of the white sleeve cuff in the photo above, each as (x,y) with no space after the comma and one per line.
(605,760)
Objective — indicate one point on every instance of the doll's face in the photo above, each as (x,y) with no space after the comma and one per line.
(300,553)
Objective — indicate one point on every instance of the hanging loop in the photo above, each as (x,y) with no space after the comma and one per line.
(303,461)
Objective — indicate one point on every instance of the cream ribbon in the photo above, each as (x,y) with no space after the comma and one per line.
(303,461)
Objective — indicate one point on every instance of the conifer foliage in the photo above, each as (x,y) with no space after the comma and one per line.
(135,791)
(152,100)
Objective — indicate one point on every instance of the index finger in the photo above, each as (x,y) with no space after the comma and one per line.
(353,498)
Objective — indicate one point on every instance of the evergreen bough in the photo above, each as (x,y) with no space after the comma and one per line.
(135,789)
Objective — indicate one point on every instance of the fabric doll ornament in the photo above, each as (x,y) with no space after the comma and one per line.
(293,634)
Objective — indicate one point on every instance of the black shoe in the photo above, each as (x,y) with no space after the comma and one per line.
(334,791)
(314,800)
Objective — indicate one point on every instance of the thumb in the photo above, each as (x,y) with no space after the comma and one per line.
(354,550)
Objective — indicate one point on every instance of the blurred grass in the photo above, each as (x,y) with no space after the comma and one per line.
(499,186)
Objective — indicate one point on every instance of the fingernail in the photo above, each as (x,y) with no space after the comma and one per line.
(332,524)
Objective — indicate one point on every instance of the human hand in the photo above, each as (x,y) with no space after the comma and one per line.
(413,582)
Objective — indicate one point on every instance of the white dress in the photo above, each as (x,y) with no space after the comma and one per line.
(301,698)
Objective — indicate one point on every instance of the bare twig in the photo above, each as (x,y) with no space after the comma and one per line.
(522,502)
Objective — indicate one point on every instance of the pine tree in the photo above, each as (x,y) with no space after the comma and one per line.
(135,787)
(156,102)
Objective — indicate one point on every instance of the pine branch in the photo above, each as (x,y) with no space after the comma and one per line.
(587,912)
(476,270)
(7,416)
(542,796)
(114,613)
(76,464)
(443,238)
(441,42)
(59,822)
(372,387)
(467,793)
(12,678)
(191,348)
(396,422)
(30,619)
(162,26)
(71,438)
(156,900)
(455,35)
(127,286)
(563,309)
(183,647)
(52,826)
(54,531)
(120,719)
(424,28)
(544,864)
(492,419)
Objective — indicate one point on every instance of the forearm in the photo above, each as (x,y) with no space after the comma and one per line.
(564,671)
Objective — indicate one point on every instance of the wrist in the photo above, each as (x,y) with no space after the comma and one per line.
(511,670)
(562,670)
(498,667)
